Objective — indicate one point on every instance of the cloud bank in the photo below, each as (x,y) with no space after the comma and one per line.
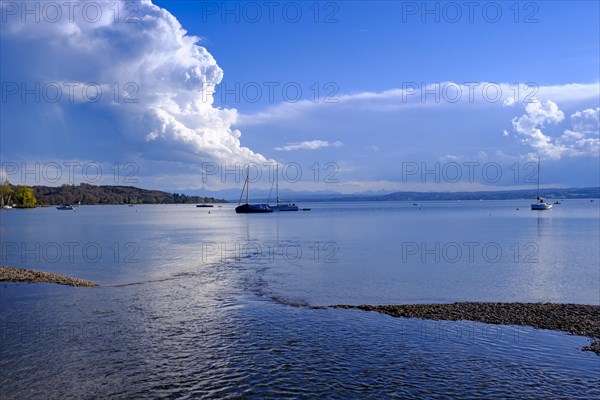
(481,98)
(153,77)
(422,95)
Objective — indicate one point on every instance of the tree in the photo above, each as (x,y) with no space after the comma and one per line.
(6,192)
(25,197)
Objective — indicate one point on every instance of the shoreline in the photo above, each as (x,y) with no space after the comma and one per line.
(576,319)
(11,274)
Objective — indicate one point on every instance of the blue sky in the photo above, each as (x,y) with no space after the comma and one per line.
(370,48)
(362,114)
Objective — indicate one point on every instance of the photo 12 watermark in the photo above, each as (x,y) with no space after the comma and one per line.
(69,252)
(468,171)
(69,172)
(469,92)
(253,12)
(469,252)
(71,331)
(290,172)
(462,332)
(271,92)
(53,12)
(453,12)
(270,252)
(70,92)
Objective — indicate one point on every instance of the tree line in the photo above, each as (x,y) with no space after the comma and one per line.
(24,196)
(17,196)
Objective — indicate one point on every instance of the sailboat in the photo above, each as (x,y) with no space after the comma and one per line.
(203,197)
(250,208)
(281,206)
(540,203)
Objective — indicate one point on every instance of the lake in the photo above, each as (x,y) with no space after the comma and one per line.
(202,302)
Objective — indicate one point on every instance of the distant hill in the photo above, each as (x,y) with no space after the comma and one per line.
(92,194)
(261,196)
(571,193)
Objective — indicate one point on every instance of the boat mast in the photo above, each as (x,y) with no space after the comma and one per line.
(242,194)
(277,182)
(538,180)
(203,196)
(247,183)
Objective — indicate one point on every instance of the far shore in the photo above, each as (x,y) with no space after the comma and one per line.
(10,274)
(577,319)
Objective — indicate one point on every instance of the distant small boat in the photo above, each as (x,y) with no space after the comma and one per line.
(540,203)
(7,207)
(203,205)
(557,202)
(65,207)
(306,209)
(250,208)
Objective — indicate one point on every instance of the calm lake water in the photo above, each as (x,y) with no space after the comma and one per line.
(199,302)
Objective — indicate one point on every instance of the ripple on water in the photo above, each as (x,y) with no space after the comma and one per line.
(199,336)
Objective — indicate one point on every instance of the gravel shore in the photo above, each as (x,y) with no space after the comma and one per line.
(10,274)
(578,319)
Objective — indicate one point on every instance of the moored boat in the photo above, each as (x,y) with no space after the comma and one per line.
(250,208)
(540,204)
(279,206)
(253,208)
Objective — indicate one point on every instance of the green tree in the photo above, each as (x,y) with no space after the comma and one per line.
(6,193)
(25,197)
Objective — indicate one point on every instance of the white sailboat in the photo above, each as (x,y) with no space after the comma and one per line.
(540,203)
(281,206)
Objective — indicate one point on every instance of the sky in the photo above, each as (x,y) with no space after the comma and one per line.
(347,96)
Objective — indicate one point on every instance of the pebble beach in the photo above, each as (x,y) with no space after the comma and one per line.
(10,274)
(577,319)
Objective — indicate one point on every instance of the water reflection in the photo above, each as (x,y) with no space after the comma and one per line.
(196,316)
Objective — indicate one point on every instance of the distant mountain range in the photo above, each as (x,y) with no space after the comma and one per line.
(261,196)
(570,193)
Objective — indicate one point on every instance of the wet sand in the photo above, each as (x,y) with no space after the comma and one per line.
(10,274)
(577,319)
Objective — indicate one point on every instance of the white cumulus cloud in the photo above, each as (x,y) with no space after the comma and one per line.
(580,141)
(148,59)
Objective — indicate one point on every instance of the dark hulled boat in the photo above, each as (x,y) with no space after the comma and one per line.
(250,208)
(253,208)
